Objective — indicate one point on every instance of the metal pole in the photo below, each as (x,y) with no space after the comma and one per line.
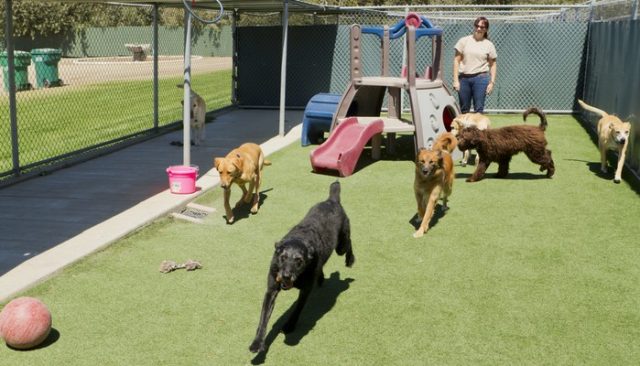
(11,72)
(404,62)
(283,66)
(186,127)
(155,66)
(234,57)
(634,10)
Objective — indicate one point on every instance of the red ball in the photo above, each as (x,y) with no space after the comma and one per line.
(25,322)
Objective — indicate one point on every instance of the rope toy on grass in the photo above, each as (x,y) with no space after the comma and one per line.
(170,266)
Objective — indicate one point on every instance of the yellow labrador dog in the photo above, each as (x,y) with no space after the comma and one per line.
(197,111)
(613,134)
(479,120)
(241,166)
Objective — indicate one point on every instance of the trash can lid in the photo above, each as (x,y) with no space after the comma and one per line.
(46,51)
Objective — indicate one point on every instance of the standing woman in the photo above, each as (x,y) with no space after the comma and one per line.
(474,67)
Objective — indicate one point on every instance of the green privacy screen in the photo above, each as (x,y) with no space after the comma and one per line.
(538,63)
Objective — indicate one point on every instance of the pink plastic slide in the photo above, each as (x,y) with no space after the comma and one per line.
(345,144)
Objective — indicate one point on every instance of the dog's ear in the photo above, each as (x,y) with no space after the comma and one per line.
(309,254)
(417,161)
(217,162)
(440,158)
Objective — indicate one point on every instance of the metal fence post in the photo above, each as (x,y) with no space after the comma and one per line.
(155,67)
(186,112)
(283,67)
(234,57)
(13,115)
(634,10)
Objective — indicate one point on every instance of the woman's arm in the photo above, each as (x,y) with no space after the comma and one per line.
(493,67)
(456,65)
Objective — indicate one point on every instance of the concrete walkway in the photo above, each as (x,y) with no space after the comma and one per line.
(47,223)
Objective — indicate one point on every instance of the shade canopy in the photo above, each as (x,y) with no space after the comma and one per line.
(229,5)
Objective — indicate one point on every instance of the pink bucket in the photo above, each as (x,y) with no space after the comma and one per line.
(182,179)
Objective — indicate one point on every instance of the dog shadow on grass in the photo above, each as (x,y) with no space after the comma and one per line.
(438,213)
(510,176)
(320,302)
(244,210)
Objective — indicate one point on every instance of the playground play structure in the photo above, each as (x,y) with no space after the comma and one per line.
(432,105)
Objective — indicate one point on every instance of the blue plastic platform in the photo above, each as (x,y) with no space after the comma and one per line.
(317,117)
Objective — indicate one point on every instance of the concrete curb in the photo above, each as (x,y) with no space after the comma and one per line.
(47,264)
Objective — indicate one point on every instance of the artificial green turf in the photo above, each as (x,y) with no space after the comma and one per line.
(519,271)
(66,120)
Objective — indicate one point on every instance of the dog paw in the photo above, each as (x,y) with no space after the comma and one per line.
(350,259)
(254,210)
(418,234)
(617,180)
(230,220)
(256,346)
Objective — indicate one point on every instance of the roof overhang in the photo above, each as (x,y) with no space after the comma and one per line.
(229,5)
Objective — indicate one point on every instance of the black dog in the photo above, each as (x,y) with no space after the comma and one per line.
(300,256)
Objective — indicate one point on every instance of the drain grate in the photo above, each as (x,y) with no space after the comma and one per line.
(194,212)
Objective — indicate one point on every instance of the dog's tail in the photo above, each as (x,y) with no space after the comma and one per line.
(592,109)
(334,191)
(446,141)
(540,113)
(266,162)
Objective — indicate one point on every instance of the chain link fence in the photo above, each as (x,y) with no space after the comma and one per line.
(106,99)
(539,63)
(92,90)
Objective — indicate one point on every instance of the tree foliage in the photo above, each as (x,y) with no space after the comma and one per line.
(33,18)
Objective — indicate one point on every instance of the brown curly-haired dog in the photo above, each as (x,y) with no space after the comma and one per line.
(500,144)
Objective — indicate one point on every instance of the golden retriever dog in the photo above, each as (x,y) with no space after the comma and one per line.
(241,166)
(197,113)
(433,179)
(479,120)
(613,134)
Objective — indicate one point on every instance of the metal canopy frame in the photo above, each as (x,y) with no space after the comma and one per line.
(283,6)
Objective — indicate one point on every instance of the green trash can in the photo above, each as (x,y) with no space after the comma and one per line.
(21,60)
(46,65)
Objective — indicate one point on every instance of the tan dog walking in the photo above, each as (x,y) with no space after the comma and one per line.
(434,177)
(613,134)
(241,166)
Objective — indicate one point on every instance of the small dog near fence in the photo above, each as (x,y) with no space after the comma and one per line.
(613,134)
(197,119)
(300,256)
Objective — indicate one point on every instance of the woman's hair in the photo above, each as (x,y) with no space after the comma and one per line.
(486,24)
